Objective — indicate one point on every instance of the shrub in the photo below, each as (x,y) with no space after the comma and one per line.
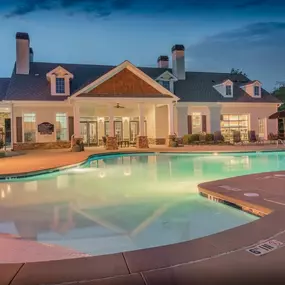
(202,137)
(194,138)
(186,139)
(209,137)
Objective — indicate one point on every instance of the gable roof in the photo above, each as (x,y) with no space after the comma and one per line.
(197,87)
(4,83)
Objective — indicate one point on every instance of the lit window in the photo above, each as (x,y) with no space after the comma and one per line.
(228,90)
(256,91)
(196,123)
(61,127)
(165,84)
(29,126)
(60,85)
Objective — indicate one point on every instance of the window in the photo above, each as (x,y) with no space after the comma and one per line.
(196,123)
(61,127)
(60,85)
(256,91)
(228,90)
(261,128)
(165,84)
(231,122)
(29,126)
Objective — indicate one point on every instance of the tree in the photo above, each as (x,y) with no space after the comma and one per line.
(279,93)
(238,71)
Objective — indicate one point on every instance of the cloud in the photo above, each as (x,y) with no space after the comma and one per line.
(258,49)
(100,8)
(107,7)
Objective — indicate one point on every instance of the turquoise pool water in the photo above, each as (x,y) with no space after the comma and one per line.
(126,202)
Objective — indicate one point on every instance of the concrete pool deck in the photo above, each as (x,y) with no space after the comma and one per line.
(215,259)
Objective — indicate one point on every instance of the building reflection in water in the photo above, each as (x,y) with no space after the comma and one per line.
(123,196)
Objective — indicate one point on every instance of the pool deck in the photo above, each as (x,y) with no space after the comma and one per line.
(37,160)
(221,258)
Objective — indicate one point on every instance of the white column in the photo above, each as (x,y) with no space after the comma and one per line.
(182,120)
(76,118)
(111,120)
(141,118)
(171,119)
(215,119)
(12,125)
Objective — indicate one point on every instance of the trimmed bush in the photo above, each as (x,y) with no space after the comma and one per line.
(209,137)
(202,137)
(194,138)
(186,139)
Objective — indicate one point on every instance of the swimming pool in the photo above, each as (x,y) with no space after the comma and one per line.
(119,203)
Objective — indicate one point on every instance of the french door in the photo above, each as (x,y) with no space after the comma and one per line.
(89,132)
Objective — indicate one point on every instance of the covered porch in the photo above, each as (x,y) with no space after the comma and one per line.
(120,122)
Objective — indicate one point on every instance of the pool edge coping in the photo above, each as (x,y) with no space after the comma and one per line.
(195,241)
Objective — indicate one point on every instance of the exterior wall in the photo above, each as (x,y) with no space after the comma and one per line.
(255,113)
(213,113)
(43,114)
(204,110)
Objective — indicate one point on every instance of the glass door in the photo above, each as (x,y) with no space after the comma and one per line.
(134,130)
(89,133)
(118,126)
(84,132)
(92,133)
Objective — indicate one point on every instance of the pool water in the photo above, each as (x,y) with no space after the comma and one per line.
(125,202)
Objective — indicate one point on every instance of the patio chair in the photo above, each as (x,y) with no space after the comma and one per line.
(252,137)
(259,140)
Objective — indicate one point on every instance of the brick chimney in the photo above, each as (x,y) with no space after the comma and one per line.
(178,61)
(163,61)
(22,53)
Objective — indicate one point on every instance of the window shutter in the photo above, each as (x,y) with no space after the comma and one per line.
(70,127)
(204,123)
(189,124)
(19,129)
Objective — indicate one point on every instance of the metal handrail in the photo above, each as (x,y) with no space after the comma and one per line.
(282,142)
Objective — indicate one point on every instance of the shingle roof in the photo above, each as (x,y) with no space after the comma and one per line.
(4,83)
(198,86)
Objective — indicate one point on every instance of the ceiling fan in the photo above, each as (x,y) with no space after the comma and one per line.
(118,106)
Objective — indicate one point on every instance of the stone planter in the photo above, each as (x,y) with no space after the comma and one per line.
(111,143)
(142,142)
(171,141)
(76,148)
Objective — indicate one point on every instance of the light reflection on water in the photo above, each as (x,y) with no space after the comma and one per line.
(123,203)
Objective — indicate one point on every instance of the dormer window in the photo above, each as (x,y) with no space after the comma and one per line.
(59,79)
(228,90)
(256,91)
(165,84)
(60,85)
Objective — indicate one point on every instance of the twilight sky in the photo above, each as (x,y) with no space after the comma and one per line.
(218,35)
